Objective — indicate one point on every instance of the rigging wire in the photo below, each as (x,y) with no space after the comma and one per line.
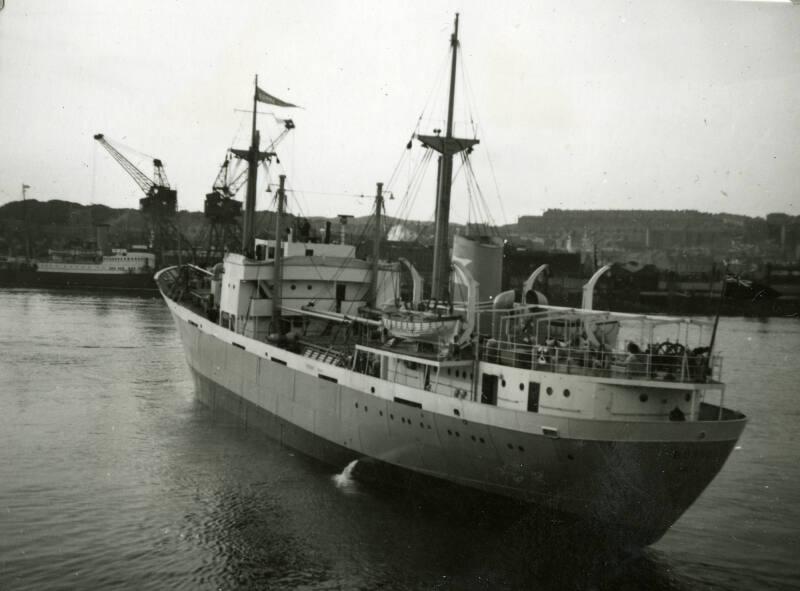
(470,94)
(413,190)
(238,131)
(435,89)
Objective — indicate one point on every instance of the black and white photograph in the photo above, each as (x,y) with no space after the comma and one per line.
(362,295)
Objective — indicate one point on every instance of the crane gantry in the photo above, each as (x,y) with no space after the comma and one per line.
(159,206)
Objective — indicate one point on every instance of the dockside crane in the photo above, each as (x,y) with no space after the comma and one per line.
(223,232)
(159,206)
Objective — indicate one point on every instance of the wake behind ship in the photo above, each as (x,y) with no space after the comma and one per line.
(555,407)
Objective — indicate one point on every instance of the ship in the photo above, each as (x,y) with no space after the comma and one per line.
(618,420)
(100,268)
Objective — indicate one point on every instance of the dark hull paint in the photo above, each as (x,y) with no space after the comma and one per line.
(31,278)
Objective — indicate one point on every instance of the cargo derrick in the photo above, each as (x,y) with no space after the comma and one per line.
(159,207)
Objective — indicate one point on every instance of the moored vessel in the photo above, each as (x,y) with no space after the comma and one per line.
(100,268)
(617,419)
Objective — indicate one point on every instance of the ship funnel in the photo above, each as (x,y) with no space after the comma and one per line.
(483,258)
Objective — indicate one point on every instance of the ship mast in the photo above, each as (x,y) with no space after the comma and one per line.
(277,289)
(253,157)
(447,146)
(376,245)
(248,235)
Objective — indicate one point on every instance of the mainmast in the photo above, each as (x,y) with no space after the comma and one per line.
(447,146)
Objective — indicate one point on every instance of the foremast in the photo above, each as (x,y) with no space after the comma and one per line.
(447,147)
(253,157)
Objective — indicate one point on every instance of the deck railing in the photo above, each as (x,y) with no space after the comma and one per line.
(685,367)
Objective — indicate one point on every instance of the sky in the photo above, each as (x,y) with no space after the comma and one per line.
(579,105)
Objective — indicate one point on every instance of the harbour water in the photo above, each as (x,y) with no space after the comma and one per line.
(112,476)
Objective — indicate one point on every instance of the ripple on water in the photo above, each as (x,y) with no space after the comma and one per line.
(113,476)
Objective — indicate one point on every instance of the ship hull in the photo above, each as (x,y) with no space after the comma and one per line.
(63,280)
(635,486)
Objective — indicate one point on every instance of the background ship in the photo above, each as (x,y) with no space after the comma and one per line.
(101,267)
(540,405)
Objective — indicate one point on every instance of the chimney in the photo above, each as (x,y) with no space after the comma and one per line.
(101,233)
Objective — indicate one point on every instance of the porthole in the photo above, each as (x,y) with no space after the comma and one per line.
(292,287)
(503,383)
(309,288)
(521,387)
(570,456)
(391,416)
(566,393)
(366,409)
(481,439)
(449,432)
(456,412)
(549,391)
(510,446)
(458,434)
(356,404)
(380,412)
(688,396)
(643,397)
(372,389)
(402,419)
(520,448)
